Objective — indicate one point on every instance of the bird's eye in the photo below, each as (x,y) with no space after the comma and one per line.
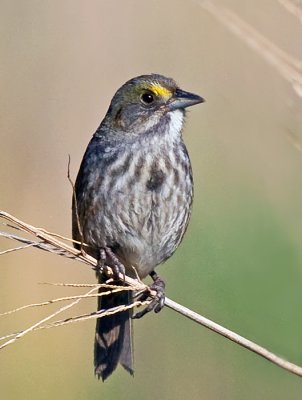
(147,98)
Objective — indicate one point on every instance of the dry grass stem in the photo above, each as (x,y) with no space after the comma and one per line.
(26,246)
(41,322)
(51,244)
(95,285)
(292,7)
(78,318)
(288,66)
(294,140)
(96,315)
(68,298)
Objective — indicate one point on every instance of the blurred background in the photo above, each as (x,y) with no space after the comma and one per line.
(241,261)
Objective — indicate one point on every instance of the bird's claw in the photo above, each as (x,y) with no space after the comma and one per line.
(106,256)
(158,300)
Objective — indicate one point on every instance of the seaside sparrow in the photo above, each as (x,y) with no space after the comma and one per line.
(133,198)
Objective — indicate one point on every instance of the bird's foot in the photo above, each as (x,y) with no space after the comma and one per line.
(100,267)
(158,300)
(108,259)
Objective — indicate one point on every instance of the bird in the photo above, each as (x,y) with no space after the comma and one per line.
(132,200)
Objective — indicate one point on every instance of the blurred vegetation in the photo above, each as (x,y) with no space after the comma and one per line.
(241,261)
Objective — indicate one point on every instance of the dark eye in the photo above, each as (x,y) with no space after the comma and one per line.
(147,98)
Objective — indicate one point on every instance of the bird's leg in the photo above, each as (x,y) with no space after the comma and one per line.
(158,300)
(99,268)
(159,286)
(108,259)
(115,264)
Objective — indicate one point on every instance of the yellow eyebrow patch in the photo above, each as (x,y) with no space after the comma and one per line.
(161,91)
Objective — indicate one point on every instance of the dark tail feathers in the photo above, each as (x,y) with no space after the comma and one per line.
(113,337)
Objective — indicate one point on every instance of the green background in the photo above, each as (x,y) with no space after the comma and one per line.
(241,261)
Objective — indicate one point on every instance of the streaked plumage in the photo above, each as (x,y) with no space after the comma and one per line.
(134,194)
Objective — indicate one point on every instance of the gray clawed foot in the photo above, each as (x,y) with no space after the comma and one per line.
(158,301)
(106,256)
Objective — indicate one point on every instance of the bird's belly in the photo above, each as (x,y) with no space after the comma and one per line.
(140,208)
(145,226)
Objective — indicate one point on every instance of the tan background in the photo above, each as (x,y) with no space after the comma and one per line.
(241,261)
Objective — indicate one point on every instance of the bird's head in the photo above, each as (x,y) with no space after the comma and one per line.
(143,102)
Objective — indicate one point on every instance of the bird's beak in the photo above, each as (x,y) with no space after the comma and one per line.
(182,99)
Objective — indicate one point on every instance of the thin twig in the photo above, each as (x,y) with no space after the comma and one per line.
(53,245)
(95,285)
(293,138)
(97,314)
(32,327)
(26,246)
(111,290)
(293,8)
(75,203)
(288,66)
(49,243)
(78,318)
(234,337)
(40,245)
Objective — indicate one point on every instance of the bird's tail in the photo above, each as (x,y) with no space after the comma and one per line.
(113,336)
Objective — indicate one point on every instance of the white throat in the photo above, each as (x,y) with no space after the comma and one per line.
(176,123)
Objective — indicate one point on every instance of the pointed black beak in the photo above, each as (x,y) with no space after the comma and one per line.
(182,99)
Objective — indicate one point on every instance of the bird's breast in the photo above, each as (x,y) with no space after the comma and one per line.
(140,202)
